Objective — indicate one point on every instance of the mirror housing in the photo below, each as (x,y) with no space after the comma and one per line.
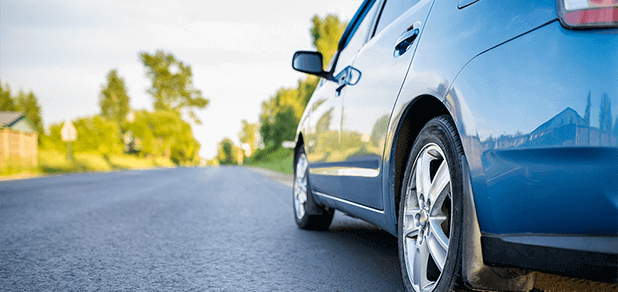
(310,63)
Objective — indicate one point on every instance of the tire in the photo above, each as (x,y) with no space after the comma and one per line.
(307,213)
(430,211)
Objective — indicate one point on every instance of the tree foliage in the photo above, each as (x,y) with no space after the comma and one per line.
(25,103)
(605,114)
(28,104)
(587,112)
(172,84)
(248,135)
(326,33)
(280,116)
(113,99)
(95,134)
(164,133)
(6,101)
(227,152)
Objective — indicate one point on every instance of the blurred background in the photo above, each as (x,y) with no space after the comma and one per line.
(158,85)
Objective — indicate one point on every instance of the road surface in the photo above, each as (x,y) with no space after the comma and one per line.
(189,229)
(185,229)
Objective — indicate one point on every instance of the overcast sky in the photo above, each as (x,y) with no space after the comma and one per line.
(240,52)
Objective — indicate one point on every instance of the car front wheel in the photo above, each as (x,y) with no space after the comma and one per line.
(307,213)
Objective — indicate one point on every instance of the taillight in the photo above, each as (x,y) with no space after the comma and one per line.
(588,13)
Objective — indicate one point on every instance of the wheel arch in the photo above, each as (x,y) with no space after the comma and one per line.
(300,142)
(417,113)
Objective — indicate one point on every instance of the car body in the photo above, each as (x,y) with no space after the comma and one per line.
(533,101)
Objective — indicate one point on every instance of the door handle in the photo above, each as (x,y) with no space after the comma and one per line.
(406,39)
(343,78)
(338,90)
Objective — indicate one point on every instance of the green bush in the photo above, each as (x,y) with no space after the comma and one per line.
(281,160)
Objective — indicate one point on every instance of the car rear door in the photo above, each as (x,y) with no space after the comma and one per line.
(367,105)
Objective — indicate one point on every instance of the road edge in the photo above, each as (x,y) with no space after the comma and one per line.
(282,178)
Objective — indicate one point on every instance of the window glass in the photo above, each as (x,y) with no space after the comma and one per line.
(357,38)
(391,10)
(358,23)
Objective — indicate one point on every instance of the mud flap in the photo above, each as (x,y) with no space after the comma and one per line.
(475,273)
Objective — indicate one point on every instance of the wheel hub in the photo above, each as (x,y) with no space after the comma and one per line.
(423,218)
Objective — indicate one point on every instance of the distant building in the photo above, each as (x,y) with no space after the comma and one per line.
(18,140)
(564,129)
(566,117)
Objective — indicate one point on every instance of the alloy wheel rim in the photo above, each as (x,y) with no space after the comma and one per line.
(427,218)
(300,186)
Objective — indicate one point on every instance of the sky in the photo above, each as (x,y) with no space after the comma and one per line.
(240,52)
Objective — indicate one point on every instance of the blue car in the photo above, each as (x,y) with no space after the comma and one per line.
(483,134)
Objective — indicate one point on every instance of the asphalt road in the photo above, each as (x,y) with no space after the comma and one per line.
(214,229)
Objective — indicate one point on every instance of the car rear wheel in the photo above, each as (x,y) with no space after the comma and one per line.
(430,210)
(307,213)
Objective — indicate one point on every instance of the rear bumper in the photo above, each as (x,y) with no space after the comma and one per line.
(589,257)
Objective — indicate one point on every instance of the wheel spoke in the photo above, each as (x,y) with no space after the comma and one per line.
(437,219)
(437,243)
(419,266)
(440,186)
(305,170)
(301,170)
(300,186)
(411,231)
(412,212)
(423,181)
(410,223)
(302,197)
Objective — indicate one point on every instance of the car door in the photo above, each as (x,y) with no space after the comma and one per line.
(366,107)
(323,136)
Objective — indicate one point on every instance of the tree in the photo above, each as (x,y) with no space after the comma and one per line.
(97,134)
(164,133)
(326,34)
(6,102)
(172,84)
(306,88)
(605,114)
(378,133)
(587,113)
(29,106)
(227,152)
(280,116)
(248,135)
(113,99)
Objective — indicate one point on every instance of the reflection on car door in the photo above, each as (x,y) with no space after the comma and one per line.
(323,137)
(383,63)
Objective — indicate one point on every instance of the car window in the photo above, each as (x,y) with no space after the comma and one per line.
(355,25)
(391,10)
(357,38)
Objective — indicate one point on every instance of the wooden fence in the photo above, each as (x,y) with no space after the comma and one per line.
(18,148)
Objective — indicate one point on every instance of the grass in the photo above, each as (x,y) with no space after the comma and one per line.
(123,161)
(12,169)
(281,160)
(92,162)
(57,162)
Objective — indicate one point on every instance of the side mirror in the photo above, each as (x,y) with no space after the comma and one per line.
(310,63)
